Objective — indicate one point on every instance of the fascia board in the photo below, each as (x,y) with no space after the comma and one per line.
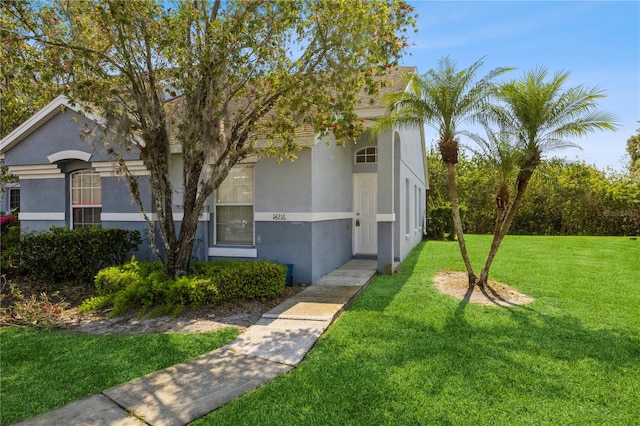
(371,113)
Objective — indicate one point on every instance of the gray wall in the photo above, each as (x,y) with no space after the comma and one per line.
(287,242)
(117,198)
(332,178)
(409,167)
(60,133)
(284,187)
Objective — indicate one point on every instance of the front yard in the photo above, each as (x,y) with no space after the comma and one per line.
(406,354)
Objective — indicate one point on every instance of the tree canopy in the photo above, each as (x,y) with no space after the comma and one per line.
(242,77)
(633,149)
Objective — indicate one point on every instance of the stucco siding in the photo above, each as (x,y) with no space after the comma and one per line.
(283,187)
(287,242)
(332,178)
(331,245)
(43,195)
(117,198)
(411,185)
(63,132)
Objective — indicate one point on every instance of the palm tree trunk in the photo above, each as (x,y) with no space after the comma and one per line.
(502,227)
(457,220)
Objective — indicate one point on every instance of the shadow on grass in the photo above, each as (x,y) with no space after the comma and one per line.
(462,363)
(405,354)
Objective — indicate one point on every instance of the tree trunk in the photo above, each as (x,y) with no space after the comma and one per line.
(457,220)
(502,226)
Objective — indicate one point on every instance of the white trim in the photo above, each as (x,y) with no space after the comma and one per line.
(139,217)
(204,217)
(41,216)
(37,171)
(110,168)
(233,252)
(300,216)
(388,217)
(71,154)
(126,217)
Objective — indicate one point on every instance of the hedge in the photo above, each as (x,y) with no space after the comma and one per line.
(143,286)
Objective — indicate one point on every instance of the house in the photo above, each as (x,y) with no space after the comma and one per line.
(331,204)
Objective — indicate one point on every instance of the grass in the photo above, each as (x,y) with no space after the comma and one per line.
(42,370)
(404,354)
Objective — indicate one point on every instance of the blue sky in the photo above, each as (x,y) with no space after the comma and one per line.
(598,42)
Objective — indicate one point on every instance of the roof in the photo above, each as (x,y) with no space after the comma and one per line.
(369,107)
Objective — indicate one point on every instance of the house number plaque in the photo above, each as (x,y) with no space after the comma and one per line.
(279,217)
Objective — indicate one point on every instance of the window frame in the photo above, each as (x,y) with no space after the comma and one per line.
(216,237)
(366,153)
(81,205)
(11,198)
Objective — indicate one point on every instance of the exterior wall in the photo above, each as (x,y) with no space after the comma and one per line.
(332,240)
(332,178)
(43,203)
(287,242)
(410,168)
(284,187)
(303,210)
(282,205)
(61,133)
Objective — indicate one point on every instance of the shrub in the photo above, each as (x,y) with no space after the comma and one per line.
(145,286)
(9,245)
(63,255)
(441,222)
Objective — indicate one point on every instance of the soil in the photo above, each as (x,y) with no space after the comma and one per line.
(241,314)
(456,284)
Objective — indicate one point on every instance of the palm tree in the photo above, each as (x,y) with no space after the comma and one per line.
(542,117)
(443,99)
(499,154)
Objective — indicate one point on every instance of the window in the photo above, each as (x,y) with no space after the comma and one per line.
(419,210)
(14,199)
(407,196)
(415,200)
(86,199)
(367,155)
(234,207)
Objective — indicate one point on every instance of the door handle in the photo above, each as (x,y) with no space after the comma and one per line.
(357,219)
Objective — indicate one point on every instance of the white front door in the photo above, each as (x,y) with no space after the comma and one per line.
(365,227)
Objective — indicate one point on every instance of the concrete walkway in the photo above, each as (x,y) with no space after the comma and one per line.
(274,345)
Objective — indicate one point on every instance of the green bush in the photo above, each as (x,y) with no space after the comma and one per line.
(10,248)
(441,222)
(64,255)
(145,286)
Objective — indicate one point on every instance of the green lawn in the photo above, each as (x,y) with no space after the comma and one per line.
(404,354)
(42,370)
